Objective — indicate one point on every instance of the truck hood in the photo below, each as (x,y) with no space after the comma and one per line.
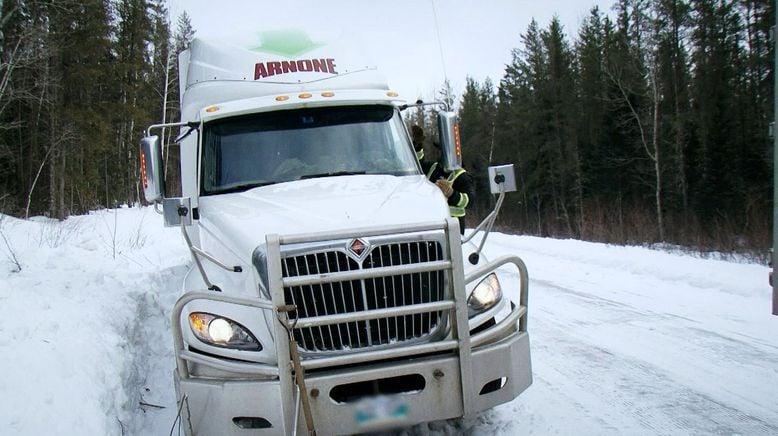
(239,222)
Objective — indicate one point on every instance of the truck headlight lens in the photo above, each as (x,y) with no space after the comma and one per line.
(222,332)
(486,294)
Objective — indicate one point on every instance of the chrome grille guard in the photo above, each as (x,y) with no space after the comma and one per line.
(453,305)
(389,274)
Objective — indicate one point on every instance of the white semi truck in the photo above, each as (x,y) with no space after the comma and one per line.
(330,292)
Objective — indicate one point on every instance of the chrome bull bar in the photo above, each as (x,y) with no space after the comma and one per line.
(456,305)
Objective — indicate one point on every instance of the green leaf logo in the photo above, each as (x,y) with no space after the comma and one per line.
(288,43)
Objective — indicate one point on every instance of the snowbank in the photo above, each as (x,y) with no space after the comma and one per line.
(78,318)
(625,340)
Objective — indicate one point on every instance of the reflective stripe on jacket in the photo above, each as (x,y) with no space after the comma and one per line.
(456,210)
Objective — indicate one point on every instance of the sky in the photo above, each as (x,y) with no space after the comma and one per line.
(624,340)
(416,43)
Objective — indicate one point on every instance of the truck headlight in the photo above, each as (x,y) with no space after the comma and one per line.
(486,294)
(222,332)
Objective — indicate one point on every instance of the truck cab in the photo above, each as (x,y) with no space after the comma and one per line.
(330,291)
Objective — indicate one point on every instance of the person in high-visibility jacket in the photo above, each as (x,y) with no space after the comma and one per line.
(456,185)
(417,137)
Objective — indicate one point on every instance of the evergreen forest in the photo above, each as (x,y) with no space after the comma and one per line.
(79,83)
(650,125)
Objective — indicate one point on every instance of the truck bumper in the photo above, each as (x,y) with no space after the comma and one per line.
(255,407)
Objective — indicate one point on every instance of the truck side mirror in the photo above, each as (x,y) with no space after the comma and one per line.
(151,169)
(501,180)
(451,146)
(502,175)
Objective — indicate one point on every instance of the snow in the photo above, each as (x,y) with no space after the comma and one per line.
(625,340)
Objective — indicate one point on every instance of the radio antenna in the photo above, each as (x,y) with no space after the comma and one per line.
(442,60)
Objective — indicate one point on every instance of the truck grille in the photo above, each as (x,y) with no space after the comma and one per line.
(359,295)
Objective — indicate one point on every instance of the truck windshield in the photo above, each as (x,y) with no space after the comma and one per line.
(261,149)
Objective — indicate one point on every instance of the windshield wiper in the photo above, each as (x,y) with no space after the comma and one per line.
(336,173)
(241,187)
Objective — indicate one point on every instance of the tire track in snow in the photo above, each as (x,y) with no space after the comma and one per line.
(149,371)
(600,379)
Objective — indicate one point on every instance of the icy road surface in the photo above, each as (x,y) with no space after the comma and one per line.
(624,340)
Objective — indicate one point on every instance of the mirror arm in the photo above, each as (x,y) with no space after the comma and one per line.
(488,222)
(199,264)
(196,253)
(420,103)
(190,124)
(236,268)
(480,226)
(182,136)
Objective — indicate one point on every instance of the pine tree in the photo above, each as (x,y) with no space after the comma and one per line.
(136,100)
(477,126)
(520,127)
(756,146)
(715,159)
(24,72)
(672,25)
(632,72)
(181,41)
(184,33)
(595,126)
(85,70)
(446,94)
(560,142)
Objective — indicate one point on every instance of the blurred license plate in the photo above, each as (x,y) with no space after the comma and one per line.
(373,411)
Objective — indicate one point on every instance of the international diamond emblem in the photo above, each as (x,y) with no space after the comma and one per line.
(358,247)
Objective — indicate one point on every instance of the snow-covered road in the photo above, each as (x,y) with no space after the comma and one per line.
(625,340)
(631,341)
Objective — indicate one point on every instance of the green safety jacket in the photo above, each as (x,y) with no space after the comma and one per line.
(460,182)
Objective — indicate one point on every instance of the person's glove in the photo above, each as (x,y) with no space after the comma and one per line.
(445,187)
